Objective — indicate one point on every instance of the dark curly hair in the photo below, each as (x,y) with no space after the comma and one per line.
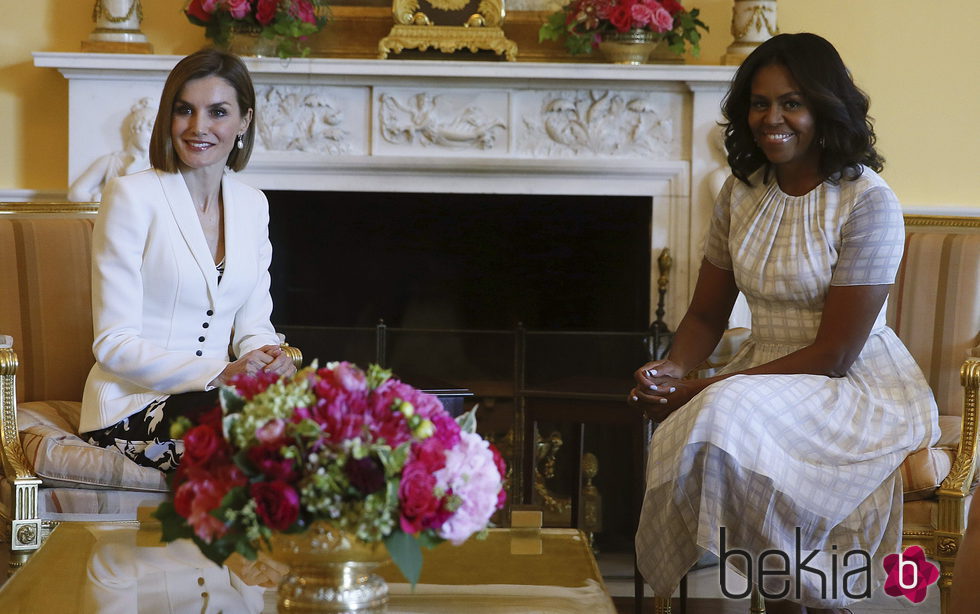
(840,109)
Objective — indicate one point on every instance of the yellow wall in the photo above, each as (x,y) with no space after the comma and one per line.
(919,63)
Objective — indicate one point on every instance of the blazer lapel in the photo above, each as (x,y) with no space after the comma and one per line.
(232,221)
(182,208)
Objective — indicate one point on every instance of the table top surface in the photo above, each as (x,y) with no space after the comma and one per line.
(109,567)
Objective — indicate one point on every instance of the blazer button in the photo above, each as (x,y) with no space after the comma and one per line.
(205,325)
(199,353)
(210,312)
(201,339)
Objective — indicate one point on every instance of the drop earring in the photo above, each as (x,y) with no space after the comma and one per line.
(240,143)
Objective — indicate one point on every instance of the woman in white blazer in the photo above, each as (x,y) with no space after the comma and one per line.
(180,269)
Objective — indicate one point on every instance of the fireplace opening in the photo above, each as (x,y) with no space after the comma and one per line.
(462,261)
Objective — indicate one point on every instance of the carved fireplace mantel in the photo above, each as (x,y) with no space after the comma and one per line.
(453,127)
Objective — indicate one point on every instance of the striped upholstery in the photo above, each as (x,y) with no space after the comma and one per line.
(46,303)
(935,307)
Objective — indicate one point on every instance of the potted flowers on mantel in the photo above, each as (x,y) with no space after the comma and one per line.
(259,27)
(626,31)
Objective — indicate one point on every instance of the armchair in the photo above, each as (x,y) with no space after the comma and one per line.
(50,475)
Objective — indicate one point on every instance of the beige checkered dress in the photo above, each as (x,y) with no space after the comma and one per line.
(763,455)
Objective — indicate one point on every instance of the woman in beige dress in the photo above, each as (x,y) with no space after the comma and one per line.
(794,448)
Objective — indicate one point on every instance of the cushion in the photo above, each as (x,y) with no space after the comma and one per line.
(924,471)
(48,433)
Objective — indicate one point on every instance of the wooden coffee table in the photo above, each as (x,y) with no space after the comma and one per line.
(106,567)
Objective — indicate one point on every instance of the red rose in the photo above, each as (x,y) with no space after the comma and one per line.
(247,386)
(212,418)
(277,504)
(621,17)
(268,459)
(498,461)
(265,11)
(673,6)
(201,444)
(419,505)
(196,10)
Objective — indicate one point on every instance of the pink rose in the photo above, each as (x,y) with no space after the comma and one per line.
(276,503)
(303,10)
(662,20)
(271,432)
(265,11)
(202,444)
(642,14)
(416,494)
(238,8)
(471,475)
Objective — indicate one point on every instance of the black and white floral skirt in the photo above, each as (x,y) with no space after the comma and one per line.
(144,437)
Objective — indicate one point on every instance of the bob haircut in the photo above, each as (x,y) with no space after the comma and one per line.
(843,129)
(203,63)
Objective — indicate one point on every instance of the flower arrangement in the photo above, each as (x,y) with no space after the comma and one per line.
(361,450)
(583,24)
(287,22)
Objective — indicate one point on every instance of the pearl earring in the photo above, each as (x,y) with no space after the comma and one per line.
(240,143)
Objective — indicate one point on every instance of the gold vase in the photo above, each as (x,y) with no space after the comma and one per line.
(330,571)
(248,41)
(633,47)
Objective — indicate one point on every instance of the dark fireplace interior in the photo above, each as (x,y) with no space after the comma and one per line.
(475,291)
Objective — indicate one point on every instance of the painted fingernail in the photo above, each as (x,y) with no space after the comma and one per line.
(653,386)
(662,401)
(652,372)
(672,389)
(633,397)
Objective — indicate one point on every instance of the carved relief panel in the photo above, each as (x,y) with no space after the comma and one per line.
(600,123)
(311,120)
(440,124)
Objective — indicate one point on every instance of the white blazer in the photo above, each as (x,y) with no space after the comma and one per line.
(163,325)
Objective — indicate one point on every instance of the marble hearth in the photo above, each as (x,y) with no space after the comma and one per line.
(454,127)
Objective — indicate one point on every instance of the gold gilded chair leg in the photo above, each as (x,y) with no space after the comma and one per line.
(661,605)
(758,603)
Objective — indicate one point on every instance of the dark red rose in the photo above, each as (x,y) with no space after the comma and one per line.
(673,6)
(365,474)
(277,504)
(196,10)
(265,11)
(268,459)
(247,386)
(212,418)
(201,444)
(416,493)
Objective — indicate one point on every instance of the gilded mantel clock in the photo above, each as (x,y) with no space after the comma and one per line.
(448,26)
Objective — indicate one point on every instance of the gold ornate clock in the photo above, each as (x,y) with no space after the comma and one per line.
(448,26)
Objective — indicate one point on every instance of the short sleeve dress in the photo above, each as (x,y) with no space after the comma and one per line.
(798,463)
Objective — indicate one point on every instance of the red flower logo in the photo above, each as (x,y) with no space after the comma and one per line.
(909,574)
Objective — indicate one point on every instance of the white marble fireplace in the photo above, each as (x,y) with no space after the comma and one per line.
(454,127)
